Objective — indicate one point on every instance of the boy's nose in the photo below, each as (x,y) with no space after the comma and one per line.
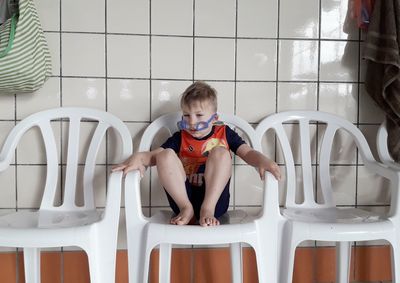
(192,121)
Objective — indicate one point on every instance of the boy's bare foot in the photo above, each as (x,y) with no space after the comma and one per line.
(207,218)
(184,216)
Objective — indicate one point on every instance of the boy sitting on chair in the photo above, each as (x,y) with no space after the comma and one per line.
(194,165)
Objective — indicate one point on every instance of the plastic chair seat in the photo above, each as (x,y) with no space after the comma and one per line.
(50,219)
(331,215)
(231,217)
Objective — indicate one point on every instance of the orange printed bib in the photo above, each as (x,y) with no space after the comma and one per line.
(193,153)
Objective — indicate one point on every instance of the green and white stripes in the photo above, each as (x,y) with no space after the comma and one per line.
(27,64)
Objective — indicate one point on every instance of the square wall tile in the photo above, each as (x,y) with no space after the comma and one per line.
(8,189)
(129,99)
(46,97)
(297,96)
(31,149)
(298,189)
(53,42)
(257,18)
(83,55)
(293,136)
(370,133)
(343,151)
(225,95)
(30,185)
(247,93)
(256,59)
(372,188)
(298,60)
(172,17)
(363,64)
(125,16)
(268,144)
(85,133)
(128,56)
(114,146)
(340,99)
(248,186)
(7,106)
(300,19)
(343,180)
(89,17)
(336,21)
(216,63)
(369,111)
(5,129)
(84,92)
(215,18)
(49,14)
(172,57)
(339,61)
(165,96)
(99,185)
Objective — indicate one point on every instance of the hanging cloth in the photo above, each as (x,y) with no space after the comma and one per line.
(7,9)
(363,12)
(382,54)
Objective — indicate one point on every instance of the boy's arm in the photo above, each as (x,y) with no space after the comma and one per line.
(258,160)
(138,161)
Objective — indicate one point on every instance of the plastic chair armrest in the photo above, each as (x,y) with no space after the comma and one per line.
(5,158)
(114,192)
(383,170)
(133,203)
(271,197)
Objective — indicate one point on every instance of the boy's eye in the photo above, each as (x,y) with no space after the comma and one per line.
(199,115)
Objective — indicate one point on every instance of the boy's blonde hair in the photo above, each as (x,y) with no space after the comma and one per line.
(199,92)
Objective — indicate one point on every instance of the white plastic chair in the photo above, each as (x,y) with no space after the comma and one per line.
(144,234)
(68,224)
(321,220)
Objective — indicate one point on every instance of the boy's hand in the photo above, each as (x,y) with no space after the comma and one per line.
(258,160)
(132,163)
(270,166)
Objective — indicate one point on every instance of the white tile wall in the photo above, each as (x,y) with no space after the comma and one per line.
(134,58)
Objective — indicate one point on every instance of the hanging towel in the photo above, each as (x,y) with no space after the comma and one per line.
(7,9)
(382,56)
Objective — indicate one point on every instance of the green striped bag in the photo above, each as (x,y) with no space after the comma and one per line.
(25,62)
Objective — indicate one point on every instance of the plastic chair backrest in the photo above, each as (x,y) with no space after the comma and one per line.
(303,118)
(74,115)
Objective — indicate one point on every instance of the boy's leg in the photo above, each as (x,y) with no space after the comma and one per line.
(217,173)
(172,177)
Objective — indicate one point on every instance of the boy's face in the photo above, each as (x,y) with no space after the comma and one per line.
(198,112)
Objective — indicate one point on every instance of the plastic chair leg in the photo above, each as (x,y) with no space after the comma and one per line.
(165,263)
(32,265)
(343,255)
(236,262)
(146,265)
(286,263)
(135,256)
(102,263)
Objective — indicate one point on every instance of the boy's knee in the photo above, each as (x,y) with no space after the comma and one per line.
(219,152)
(166,155)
